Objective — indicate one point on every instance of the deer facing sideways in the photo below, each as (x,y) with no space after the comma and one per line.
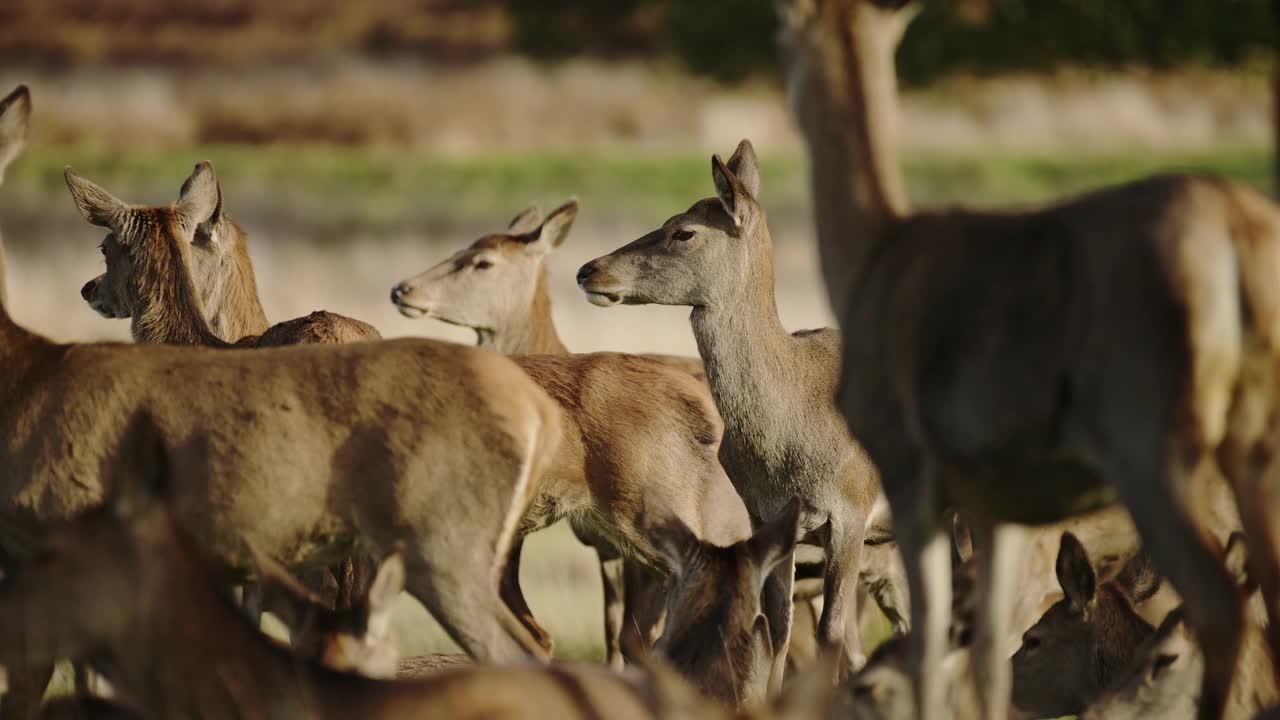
(1026,366)
(782,438)
(498,287)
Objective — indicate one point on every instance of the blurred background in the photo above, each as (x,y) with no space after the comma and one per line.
(359,143)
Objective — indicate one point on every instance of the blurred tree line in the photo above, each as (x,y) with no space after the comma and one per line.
(729,39)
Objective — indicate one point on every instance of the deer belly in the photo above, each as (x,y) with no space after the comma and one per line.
(1032,489)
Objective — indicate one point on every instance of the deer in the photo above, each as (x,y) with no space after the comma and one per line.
(782,435)
(228,294)
(15,121)
(1163,676)
(1024,366)
(497,286)
(307,451)
(140,589)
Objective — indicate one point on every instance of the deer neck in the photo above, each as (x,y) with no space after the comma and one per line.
(531,331)
(229,295)
(848,111)
(18,345)
(743,345)
(167,307)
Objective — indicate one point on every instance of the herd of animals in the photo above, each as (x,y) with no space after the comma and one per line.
(1041,445)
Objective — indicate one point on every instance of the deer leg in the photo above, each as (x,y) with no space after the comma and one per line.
(1256,482)
(997,589)
(1151,485)
(26,691)
(838,626)
(914,500)
(778,605)
(513,596)
(469,606)
(611,577)
(645,609)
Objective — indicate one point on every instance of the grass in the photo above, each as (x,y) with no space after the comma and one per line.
(381,188)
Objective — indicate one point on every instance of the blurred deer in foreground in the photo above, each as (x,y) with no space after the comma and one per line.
(137,588)
(1026,366)
(783,438)
(628,463)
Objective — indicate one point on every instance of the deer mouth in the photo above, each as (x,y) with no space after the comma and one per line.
(603,299)
(411,311)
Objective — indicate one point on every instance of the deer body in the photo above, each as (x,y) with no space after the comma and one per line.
(641,433)
(1026,366)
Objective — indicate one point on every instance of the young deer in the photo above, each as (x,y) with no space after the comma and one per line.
(1081,644)
(616,497)
(303,451)
(782,435)
(128,581)
(1027,366)
(228,296)
(1165,673)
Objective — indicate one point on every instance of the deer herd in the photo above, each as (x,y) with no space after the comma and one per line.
(1042,444)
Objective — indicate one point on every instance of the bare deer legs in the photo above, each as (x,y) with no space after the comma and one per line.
(838,625)
(997,577)
(513,596)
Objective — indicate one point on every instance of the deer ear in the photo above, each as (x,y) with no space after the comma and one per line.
(730,192)
(388,583)
(1075,573)
(139,475)
(200,199)
(554,229)
(282,594)
(96,205)
(1139,578)
(744,166)
(15,114)
(526,222)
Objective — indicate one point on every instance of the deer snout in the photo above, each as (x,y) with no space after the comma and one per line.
(598,285)
(585,272)
(398,291)
(89,290)
(410,307)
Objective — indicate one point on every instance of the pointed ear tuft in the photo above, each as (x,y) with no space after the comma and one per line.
(526,222)
(15,122)
(96,205)
(139,474)
(1075,574)
(744,166)
(555,228)
(733,197)
(388,581)
(200,199)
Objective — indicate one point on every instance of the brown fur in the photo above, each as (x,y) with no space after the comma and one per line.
(1027,366)
(783,438)
(226,286)
(641,435)
(302,451)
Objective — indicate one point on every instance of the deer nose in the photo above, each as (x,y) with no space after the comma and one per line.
(586,271)
(398,291)
(88,289)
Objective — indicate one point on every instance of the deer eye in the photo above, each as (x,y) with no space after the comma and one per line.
(102,249)
(1030,643)
(483,265)
(681,235)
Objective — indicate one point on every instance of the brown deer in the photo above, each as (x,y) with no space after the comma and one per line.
(1026,366)
(128,581)
(228,296)
(782,436)
(498,287)
(305,451)
(1165,673)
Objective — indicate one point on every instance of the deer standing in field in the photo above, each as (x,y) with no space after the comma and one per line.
(782,435)
(305,451)
(498,287)
(1165,672)
(1027,366)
